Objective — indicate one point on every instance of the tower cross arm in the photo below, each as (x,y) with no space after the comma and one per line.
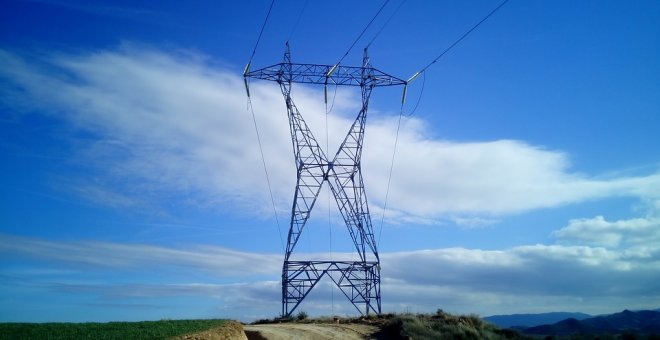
(325,74)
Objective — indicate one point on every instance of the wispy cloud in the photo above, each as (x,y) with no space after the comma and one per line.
(220,262)
(532,278)
(171,124)
(124,12)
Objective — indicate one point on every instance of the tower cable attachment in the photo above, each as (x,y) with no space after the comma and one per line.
(419,98)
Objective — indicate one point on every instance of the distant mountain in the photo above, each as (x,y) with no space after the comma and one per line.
(646,322)
(530,320)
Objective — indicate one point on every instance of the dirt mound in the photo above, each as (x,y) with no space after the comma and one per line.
(231,330)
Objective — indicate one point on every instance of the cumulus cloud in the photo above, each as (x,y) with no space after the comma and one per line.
(171,123)
(599,231)
(635,239)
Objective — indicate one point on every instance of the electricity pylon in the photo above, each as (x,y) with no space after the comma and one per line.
(358,280)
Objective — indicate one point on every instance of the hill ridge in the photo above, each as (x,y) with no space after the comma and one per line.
(644,321)
(524,320)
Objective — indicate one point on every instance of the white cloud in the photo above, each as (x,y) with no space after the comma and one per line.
(221,262)
(639,236)
(598,231)
(172,125)
(533,278)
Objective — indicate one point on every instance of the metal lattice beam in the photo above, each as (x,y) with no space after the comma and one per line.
(359,280)
(324,74)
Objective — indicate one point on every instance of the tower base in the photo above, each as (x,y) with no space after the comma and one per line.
(358,281)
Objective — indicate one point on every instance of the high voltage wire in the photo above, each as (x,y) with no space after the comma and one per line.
(256,128)
(422,71)
(263,161)
(396,139)
(361,34)
(389,178)
(386,22)
(261,31)
(458,41)
(295,26)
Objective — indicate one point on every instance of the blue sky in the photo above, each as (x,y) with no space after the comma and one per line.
(527,180)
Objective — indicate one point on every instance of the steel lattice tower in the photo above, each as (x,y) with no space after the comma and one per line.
(359,280)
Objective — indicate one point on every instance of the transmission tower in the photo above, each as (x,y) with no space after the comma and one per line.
(358,280)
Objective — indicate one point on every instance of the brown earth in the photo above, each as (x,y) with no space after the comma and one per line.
(309,331)
(231,330)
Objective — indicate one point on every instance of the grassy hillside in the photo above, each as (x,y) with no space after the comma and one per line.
(444,326)
(440,325)
(163,329)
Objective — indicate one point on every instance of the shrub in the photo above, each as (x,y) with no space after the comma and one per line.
(301,315)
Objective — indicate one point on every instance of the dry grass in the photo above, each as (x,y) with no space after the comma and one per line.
(418,326)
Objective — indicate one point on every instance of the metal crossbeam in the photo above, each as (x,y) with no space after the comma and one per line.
(325,74)
(359,280)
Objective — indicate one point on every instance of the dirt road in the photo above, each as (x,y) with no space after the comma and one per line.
(287,331)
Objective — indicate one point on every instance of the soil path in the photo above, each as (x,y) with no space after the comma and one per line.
(290,331)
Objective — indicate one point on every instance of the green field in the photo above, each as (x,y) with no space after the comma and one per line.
(163,329)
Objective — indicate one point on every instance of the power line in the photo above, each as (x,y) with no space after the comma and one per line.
(361,34)
(260,33)
(386,22)
(420,72)
(263,161)
(458,41)
(389,178)
(295,26)
(254,120)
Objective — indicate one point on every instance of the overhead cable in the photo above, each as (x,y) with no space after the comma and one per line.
(295,26)
(414,76)
(358,38)
(386,22)
(263,162)
(247,67)
(256,128)
(389,177)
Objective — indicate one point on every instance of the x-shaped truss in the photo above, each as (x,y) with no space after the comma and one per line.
(358,280)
